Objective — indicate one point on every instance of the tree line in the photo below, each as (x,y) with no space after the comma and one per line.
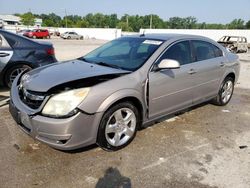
(132,23)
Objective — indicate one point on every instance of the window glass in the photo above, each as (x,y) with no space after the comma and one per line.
(204,50)
(218,52)
(180,52)
(123,49)
(3,42)
(127,52)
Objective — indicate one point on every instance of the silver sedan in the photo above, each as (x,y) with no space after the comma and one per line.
(71,35)
(107,95)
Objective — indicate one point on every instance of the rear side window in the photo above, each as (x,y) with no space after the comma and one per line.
(204,50)
(180,51)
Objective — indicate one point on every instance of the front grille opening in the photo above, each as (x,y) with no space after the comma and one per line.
(30,102)
(52,141)
(61,141)
(28,130)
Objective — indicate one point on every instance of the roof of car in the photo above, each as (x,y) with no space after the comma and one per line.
(166,36)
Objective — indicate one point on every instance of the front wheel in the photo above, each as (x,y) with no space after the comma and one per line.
(13,72)
(225,93)
(118,126)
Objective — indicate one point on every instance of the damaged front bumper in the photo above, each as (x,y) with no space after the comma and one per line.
(65,134)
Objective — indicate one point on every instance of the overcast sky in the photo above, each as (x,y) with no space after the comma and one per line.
(211,11)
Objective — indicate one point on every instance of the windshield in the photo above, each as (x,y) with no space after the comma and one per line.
(125,53)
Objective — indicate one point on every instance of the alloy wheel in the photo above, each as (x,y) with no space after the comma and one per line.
(227,91)
(120,127)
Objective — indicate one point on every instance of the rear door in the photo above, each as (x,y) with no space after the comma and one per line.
(39,33)
(171,89)
(6,52)
(208,69)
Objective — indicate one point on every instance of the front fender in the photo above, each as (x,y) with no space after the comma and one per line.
(121,94)
(102,105)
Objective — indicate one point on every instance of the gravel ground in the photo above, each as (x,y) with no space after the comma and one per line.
(205,147)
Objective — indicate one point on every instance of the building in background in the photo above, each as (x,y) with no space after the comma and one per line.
(1,23)
(12,20)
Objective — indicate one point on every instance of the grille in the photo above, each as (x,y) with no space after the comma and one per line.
(30,98)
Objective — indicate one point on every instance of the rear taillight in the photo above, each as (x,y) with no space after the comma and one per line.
(50,51)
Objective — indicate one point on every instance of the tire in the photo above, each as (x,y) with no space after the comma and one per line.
(34,37)
(68,37)
(12,73)
(81,38)
(225,92)
(115,132)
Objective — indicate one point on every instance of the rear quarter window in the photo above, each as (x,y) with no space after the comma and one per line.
(218,52)
(3,42)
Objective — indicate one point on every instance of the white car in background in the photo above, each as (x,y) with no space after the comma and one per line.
(71,35)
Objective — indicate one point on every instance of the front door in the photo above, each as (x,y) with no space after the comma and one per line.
(171,89)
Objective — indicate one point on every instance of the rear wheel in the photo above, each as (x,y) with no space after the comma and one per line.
(13,72)
(225,93)
(118,126)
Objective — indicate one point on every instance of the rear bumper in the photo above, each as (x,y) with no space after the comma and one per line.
(65,134)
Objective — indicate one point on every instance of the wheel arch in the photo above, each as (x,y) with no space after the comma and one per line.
(11,65)
(231,74)
(122,96)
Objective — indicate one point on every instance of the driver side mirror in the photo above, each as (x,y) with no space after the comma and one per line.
(168,64)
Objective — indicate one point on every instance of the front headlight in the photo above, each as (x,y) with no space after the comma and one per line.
(64,103)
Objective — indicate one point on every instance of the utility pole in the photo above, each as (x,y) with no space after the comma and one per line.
(66,19)
(127,21)
(151,19)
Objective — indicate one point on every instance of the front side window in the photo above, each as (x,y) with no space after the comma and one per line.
(204,50)
(126,53)
(180,52)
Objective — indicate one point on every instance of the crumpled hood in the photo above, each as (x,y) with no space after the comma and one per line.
(47,77)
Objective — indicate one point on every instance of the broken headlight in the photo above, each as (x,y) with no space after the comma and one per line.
(64,103)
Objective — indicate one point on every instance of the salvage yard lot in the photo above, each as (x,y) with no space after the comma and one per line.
(206,146)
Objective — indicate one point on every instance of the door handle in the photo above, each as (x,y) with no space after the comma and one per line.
(4,54)
(222,64)
(192,71)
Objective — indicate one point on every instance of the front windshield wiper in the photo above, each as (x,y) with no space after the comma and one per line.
(83,59)
(108,65)
(101,63)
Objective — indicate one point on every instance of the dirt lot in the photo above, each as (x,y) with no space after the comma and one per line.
(205,147)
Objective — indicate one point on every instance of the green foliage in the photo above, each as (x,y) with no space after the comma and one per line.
(236,24)
(28,19)
(182,23)
(127,22)
(248,25)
